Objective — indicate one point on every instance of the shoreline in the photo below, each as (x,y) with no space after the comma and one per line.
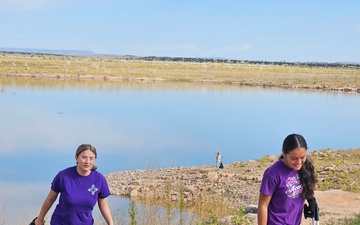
(307,76)
(330,88)
(238,184)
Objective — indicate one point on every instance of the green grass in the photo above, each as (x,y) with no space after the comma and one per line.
(346,221)
(338,169)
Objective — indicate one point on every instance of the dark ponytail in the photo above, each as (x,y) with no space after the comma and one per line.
(307,172)
(308,178)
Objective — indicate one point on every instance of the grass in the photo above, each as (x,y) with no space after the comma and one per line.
(117,68)
(338,169)
(346,221)
(207,210)
(153,211)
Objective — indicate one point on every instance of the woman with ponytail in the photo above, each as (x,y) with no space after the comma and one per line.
(286,184)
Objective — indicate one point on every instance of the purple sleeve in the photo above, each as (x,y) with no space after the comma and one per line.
(268,185)
(55,184)
(104,192)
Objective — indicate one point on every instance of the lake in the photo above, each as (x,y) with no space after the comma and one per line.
(138,125)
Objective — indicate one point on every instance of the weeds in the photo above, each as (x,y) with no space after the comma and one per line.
(132,213)
(337,169)
(346,221)
(115,68)
(240,218)
(266,159)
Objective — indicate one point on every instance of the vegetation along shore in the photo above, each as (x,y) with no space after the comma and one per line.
(214,195)
(236,187)
(314,76)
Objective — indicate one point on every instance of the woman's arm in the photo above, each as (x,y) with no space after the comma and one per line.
(262,214)
(105,210)
(49,201)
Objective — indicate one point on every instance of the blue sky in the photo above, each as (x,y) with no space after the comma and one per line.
(293,31)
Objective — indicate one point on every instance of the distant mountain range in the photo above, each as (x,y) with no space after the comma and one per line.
(90,53)
(49,51)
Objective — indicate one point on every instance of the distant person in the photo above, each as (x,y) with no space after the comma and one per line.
(218,161)
(286,184)
(80,188)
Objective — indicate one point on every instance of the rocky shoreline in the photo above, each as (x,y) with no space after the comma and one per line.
(238,184)
(235,186)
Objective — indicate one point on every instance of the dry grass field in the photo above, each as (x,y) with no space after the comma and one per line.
(133,69)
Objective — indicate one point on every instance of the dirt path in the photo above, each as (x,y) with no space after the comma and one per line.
(336,204)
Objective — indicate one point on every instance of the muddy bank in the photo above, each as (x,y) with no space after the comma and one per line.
(242,82)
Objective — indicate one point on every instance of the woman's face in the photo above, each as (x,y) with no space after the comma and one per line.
(295,158)
(85,161)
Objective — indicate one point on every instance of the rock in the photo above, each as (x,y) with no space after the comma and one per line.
(212,176)
(134,193)
(226,220)
(238,189)
(250,208)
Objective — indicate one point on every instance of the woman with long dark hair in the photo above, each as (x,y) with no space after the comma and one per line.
(286,184)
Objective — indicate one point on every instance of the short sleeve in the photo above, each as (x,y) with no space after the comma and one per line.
(55,184)
(104,192)
(268,185)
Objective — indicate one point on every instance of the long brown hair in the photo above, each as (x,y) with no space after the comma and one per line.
(307,172)
(84,147)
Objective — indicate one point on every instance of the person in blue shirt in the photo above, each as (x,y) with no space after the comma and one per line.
(218,160)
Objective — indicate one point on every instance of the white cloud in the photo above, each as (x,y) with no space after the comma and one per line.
(5,25)
(188,46)
(142,49)
(239,47)
(23,5)
(356,26)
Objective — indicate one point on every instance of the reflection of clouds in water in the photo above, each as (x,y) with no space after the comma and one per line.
(22,201)
(8,172)
(25,191)
(29,126)
(43,133)
(146,136)
(112,126)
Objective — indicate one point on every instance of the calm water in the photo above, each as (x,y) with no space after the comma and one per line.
(153,125)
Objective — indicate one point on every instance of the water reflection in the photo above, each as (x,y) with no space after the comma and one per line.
(155,125)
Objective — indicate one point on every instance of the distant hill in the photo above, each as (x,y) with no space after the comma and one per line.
(49,51)
(185,59)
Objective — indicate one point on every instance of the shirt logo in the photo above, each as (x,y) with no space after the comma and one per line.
(293,186)
(93,189)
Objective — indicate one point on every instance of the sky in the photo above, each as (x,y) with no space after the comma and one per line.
(256,30)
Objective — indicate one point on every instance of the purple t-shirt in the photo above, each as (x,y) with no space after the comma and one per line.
(78,196)
(283,185)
